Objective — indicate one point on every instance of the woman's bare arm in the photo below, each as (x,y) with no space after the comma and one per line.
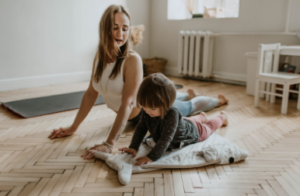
(133,76)
(88,100)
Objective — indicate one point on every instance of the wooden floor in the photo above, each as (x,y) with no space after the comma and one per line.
(31,164)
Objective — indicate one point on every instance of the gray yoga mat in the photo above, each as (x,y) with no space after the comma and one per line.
(47,105)
(28,108)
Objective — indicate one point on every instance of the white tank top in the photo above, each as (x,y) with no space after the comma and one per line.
(111,89)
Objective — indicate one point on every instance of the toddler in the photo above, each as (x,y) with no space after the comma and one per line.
(167,127)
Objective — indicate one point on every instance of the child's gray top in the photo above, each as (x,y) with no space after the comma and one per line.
(169,133)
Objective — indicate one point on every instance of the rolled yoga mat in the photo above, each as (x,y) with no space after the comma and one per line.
(47,105)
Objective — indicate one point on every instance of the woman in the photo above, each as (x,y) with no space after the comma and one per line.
(117,75)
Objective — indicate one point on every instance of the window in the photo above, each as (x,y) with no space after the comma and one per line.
(187,9)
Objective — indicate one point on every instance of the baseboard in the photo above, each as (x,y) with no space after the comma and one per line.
(172,71)
(230,76)
(239,79)
(45,80)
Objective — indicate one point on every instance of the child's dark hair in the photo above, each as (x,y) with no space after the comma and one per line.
(157,91)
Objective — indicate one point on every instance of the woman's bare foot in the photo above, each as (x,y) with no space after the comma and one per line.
(222,100)
(225,118)
(191,94)
(205,117)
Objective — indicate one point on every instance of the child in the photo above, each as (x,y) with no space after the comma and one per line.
(167,127)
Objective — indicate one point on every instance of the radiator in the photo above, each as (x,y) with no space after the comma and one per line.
(195,51)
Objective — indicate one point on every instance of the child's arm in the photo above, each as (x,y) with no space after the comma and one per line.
(167,134)
(142,160)
(139,133)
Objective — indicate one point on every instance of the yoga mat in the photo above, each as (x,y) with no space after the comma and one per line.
(51,104)
(47,105)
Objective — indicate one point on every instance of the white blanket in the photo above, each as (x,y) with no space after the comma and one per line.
(214,150)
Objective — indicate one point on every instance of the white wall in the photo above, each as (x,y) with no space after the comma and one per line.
(229,59)
(140,14)
(53,41)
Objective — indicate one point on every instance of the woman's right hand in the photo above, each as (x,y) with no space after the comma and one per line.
(129,151)
(61,132)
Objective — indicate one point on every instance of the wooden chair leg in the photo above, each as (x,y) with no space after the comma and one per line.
(262,87)
(285,98)
(273,90)
(256,93)
(268,89)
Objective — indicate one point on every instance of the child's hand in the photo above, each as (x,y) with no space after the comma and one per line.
(143,160)
(129,151)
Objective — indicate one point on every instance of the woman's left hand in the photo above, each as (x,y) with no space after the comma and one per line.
(142,161)
(90,153)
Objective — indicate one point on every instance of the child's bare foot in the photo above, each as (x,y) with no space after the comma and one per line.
(191,94)
(205,117)
(222,100)
(225,118)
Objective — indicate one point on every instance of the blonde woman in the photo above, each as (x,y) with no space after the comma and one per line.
(117,75)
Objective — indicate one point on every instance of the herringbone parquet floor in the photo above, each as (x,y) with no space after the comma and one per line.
(31,164)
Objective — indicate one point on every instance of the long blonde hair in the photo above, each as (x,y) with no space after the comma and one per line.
(108,49)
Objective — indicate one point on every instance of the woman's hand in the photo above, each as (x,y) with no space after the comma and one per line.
(129,151)
(61,132)
(142,161)
(90,153)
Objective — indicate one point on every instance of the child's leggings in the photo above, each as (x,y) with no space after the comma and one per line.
(206,129)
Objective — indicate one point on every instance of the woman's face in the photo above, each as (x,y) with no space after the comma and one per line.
(152,112)
(121,29)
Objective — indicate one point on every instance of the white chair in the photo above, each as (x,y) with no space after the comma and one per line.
(268,60)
